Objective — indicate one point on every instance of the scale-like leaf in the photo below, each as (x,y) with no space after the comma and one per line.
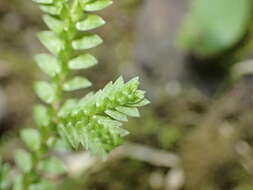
(53,23)
(144,102)
(45,91)
(41,115)
(23,160)
(51,41)
(67,107)
(113,126)
(116,115)
(90,22)
(87,42)
(48,63)
(83,62)
(133,112)
(52,10)
(76,83)
(32,139)
(77,11)
(98,5)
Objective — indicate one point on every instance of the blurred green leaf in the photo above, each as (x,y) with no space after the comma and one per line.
(144,102)
(41,115)
(90,22)
(212,27)
(53,23)
(32,139)
(23,160)
(116,115)
(48,63)
(133,112)
(51,41)
(76,83)
(83,62)
(53,10)
(77,11)
(45,91)
(67,107)
(87,42)
(98,5)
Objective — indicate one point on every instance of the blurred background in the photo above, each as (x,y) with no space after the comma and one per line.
(194,59)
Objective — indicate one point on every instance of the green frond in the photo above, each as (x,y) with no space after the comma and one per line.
(94,122)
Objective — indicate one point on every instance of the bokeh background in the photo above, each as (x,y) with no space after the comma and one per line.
(194,59)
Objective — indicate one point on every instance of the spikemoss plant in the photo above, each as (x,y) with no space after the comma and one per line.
(92,123)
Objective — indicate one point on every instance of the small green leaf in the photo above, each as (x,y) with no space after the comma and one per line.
(107,121)
(140,94)
(76,11)
(41,115)
(90,22)
(76,83)
(113,126)
(52,10)
(23,159)
(83,62)
(133,112)
(82,102)
(67,107)
(116,115)
(43,185)
(53,23)
(87,42)
(52,165)
(98,5)
(18,182)
(69,133)
(144,102)
(45,91)
(51,41)
(119,83)
(32,139)
(43,1)
(49,64)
